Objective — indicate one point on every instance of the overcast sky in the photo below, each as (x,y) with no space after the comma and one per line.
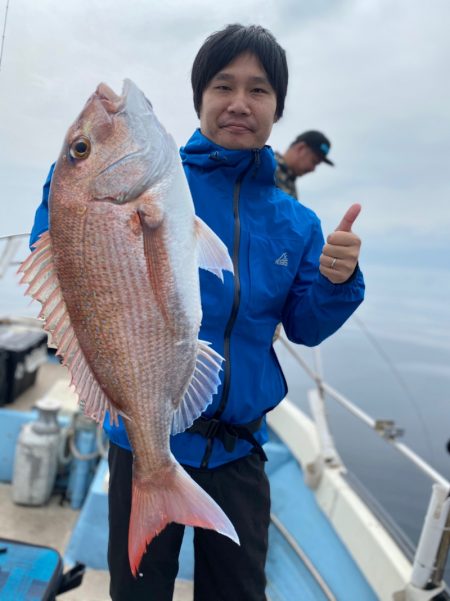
(371,74)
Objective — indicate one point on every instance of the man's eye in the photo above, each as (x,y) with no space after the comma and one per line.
(260,91)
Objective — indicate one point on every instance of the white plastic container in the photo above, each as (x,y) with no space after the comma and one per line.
(36,458)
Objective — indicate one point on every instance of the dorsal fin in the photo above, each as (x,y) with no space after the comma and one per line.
(203,386)
(40,273)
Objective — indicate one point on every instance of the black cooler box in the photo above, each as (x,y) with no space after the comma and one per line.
(3,376)
(25,350)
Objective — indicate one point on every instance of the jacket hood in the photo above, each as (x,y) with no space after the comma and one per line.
(202,152)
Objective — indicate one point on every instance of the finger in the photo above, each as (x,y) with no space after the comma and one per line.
(343,258)
(334,276)
(343,239)
(340,252)
(336,264)
(349,218)
(330,262)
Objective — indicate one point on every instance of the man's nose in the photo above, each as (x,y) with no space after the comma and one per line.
(239,104)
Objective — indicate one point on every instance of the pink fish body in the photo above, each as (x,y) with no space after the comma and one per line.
(117,276)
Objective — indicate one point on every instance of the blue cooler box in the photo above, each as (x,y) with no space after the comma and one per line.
(28,572)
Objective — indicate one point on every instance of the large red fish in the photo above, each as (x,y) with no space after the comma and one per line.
(117,276)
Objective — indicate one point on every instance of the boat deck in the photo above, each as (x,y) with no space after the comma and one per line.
(52,525)
(328,572)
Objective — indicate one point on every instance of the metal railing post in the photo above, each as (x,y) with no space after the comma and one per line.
(432,544)
(318,408)
(11,247)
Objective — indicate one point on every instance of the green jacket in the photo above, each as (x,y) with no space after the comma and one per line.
(285,177)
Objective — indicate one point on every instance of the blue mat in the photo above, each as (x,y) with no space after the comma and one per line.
(295,506)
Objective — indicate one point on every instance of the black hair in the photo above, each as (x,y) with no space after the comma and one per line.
(222,47)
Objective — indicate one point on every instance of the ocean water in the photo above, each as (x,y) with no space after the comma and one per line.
(392,360)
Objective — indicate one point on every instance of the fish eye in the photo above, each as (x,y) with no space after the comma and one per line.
(80,148)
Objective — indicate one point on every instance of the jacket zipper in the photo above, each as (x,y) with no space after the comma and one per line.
(237,284)
(235,306)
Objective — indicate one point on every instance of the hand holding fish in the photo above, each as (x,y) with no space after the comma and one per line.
(341,252)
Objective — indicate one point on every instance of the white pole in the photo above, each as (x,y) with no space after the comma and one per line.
(328,449)
(430,538)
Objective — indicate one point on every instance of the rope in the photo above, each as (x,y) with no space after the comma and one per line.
(68,449)
(4,32)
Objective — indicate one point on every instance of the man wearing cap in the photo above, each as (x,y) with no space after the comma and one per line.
(304,154)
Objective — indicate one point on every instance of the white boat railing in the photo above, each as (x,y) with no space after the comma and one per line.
(9,247)
(9,250)
(433,547)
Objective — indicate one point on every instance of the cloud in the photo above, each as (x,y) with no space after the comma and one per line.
(371,74)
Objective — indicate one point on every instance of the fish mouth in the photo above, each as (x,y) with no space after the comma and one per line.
(112,102)
(132,100)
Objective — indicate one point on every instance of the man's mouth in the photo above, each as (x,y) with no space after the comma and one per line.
(236,127)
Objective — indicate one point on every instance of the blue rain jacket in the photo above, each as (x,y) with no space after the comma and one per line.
(275,243)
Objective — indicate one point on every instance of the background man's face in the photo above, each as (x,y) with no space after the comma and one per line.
(306,160)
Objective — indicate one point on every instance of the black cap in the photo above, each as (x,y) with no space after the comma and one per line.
(318,143)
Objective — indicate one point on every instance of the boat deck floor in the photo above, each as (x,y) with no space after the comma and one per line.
(52,524)
(293,503)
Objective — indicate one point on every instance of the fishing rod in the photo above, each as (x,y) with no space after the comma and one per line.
(4,33)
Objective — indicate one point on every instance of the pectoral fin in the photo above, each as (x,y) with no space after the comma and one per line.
(158,263)
(203,386)
(212,252)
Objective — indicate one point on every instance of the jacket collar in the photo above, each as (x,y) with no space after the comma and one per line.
(202,152)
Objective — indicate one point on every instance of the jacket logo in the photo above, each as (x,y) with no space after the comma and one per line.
(282,260)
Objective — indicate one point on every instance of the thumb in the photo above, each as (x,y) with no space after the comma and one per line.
(349,218)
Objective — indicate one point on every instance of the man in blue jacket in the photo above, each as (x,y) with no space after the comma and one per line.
(283,272)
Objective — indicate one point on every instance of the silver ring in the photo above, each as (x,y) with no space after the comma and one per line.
(333,263)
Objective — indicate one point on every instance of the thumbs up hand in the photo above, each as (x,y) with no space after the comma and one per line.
(341,252)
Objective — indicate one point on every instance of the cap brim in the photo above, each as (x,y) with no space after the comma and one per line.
(327,161)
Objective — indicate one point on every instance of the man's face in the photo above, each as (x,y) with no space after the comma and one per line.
(305,161)
(238,105)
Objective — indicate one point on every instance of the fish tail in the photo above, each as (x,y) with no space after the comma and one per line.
(181,500)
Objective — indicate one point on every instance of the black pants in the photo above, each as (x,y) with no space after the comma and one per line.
(223,570)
